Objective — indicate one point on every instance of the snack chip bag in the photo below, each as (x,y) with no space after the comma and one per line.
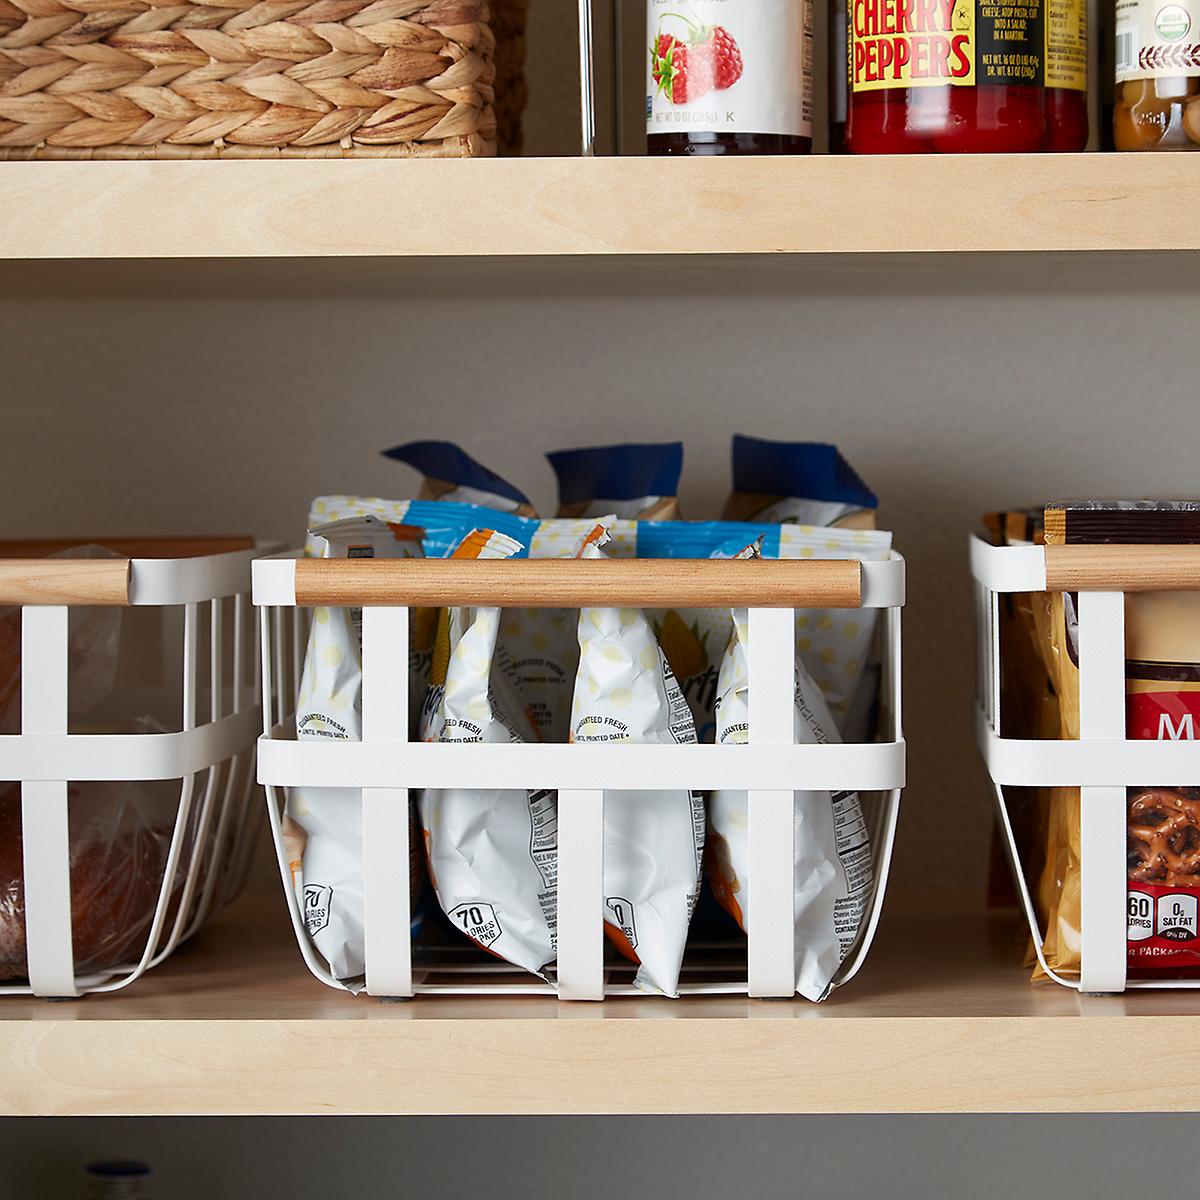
(451,478)
(833,644)
(636,482)
(834,872)
(493,855)
(653,840)
(804,483)
(451,474)
(323,826)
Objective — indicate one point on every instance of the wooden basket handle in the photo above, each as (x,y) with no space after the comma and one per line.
(575,583)
(99,581)
(1122,568)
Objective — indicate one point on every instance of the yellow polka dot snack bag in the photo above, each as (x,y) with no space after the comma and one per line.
(835,645)
(492,854)
(625,691)
(834,873)
(323,826)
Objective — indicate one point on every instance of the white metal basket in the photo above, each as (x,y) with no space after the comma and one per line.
(198,665)
(770,767)
(1102,763)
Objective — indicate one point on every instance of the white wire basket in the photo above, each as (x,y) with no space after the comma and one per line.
(187,668)
(1102,763)
(770,767)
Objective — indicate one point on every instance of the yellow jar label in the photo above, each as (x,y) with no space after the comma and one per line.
(911,43)
(932,43)
(1066,44)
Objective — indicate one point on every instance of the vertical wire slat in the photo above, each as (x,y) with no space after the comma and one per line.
(1103,818)
(581,894)
(45,833)
(770,835)
(385,811)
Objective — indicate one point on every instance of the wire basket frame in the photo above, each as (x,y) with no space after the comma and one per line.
(384,766)
(1102,763)
(209,663)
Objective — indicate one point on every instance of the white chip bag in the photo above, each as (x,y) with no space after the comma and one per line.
(653,840)
(493,854)
(834,873)
(323,826)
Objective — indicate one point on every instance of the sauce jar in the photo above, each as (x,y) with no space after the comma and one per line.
(1157,104)
(966,76)
(729,78)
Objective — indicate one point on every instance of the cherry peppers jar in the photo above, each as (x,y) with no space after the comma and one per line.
(966,76)
(1158,76)
(729,76)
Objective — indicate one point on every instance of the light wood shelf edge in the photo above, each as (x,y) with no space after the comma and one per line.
(234,1024)
(602,206)
(585,1066)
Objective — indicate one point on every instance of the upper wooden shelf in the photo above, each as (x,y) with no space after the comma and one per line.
(603,206)
(942,1019)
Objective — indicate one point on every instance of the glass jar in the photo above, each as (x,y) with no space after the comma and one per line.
(729,79)
(966,76)
(1157,103)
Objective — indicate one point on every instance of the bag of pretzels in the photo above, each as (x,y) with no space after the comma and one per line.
(1162,674)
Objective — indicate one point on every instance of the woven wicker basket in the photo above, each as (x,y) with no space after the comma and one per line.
(134,79)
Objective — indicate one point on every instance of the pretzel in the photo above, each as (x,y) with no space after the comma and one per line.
(1164,836)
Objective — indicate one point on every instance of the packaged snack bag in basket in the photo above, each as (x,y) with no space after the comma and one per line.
(834,644)
(804,483)
(653,840)
(323,826)
(1162,674)
(453,483)
(451,474)
(493,854)
(637,482)
(834,873)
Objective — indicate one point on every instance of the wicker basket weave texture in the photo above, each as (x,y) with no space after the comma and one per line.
(256,78)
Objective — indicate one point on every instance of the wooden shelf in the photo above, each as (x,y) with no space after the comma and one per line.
(943,1019)
(603,206)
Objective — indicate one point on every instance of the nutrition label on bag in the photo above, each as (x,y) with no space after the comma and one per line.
(854,851)
(543,849)
(1163,927)
(543,819)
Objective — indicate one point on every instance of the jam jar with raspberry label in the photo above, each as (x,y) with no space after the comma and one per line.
(1158,76)
(729,76)
(966,76)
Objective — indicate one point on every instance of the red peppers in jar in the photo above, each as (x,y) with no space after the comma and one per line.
(966,76)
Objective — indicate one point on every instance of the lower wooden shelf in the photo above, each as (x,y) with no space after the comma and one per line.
(942,1019)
